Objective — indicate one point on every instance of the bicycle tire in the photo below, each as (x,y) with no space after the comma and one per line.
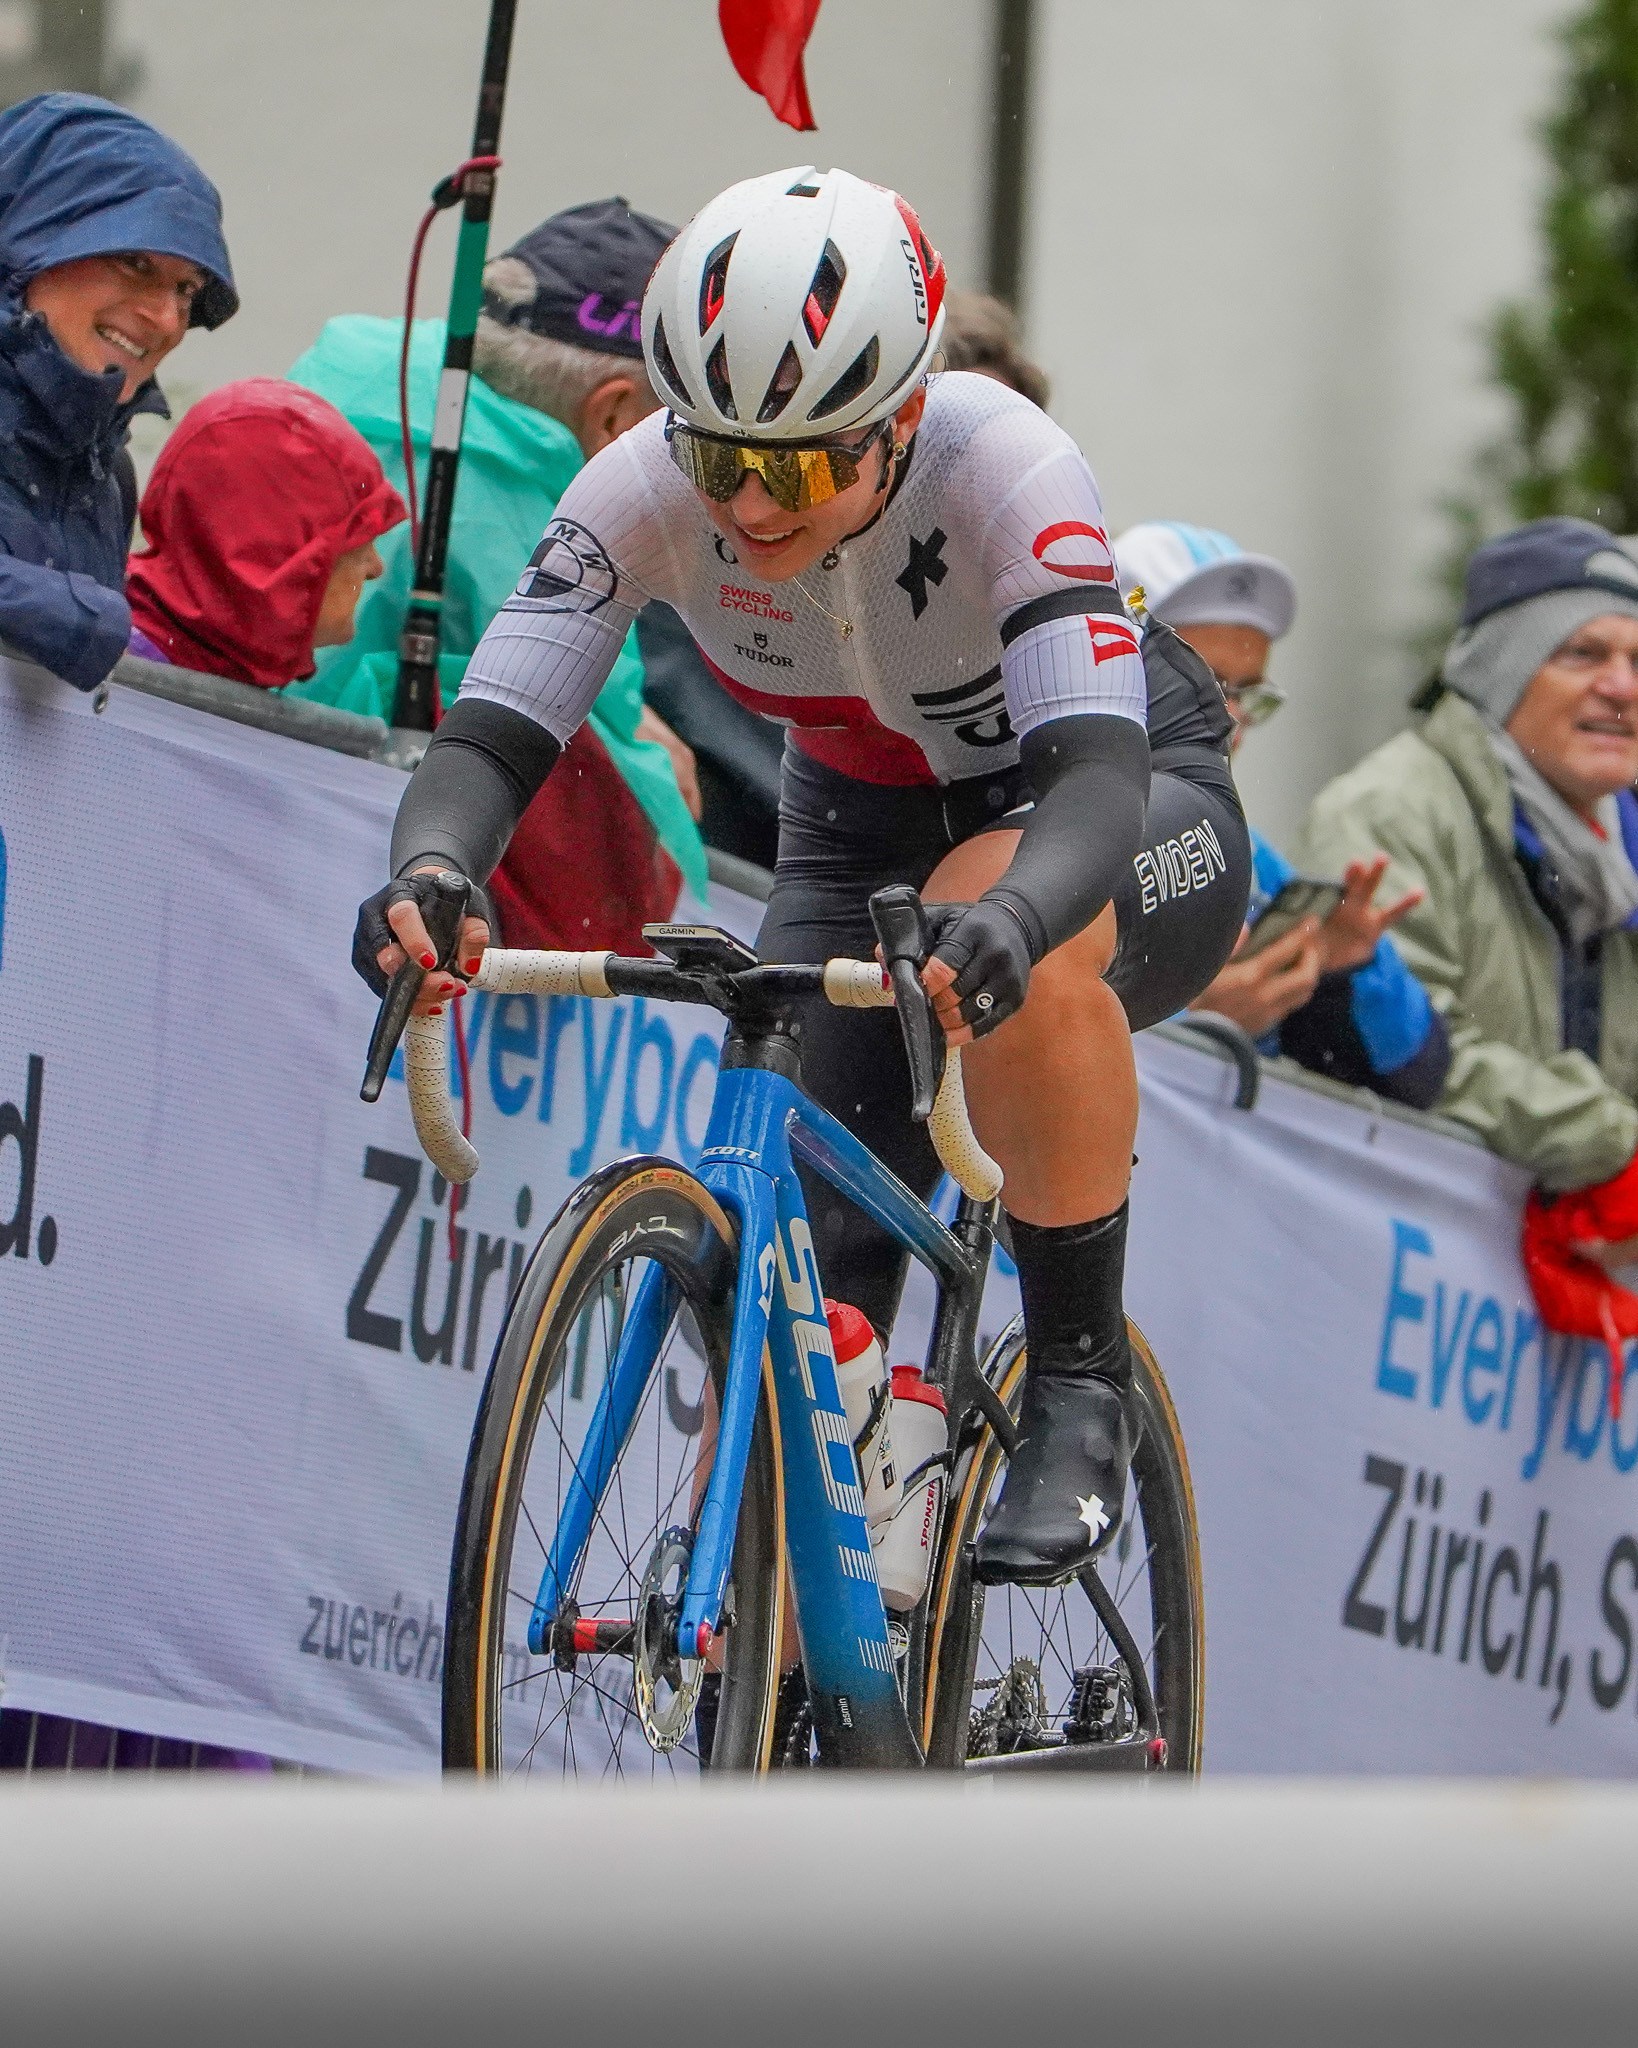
(1173,1606)
(565,1287)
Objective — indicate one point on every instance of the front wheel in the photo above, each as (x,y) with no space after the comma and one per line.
(644,1244)
(1020,1668)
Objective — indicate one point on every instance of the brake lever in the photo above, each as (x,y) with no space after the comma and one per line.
(443,917)
(906,942)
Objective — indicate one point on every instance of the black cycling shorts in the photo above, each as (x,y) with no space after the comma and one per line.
(1178,912)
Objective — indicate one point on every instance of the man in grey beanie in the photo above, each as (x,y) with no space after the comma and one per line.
(1510,805)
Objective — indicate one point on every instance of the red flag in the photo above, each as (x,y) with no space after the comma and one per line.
(766,39)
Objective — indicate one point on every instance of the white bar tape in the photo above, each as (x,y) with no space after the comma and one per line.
(426,1069)
(857,985)
(951,1131)
(508,972)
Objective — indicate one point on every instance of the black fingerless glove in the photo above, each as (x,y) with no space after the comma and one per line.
(372,931)
(987,945)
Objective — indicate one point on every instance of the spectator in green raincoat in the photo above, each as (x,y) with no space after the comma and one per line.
(557,373)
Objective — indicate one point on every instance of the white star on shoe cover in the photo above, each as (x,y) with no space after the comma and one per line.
(1093,1515)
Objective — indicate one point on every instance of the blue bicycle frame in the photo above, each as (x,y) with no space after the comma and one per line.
(761,1125)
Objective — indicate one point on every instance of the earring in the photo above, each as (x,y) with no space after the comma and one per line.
(898,451)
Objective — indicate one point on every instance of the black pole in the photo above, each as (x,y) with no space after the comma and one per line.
(1014,33)
(415,705)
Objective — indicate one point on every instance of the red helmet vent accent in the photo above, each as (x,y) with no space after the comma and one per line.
(714,284)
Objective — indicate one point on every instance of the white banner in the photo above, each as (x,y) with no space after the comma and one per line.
(239,1366)
(1415,1513)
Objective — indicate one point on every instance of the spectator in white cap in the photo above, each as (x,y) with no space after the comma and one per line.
(1335,996)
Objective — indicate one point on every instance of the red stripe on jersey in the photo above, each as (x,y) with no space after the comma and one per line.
(838,732)
(1110,641)
(1094,571)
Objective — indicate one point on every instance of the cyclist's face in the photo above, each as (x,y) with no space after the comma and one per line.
(1237,656)
(777,545)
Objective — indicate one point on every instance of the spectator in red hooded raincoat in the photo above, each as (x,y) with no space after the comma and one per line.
(259,526)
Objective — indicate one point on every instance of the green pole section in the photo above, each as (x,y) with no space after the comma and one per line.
(415,706)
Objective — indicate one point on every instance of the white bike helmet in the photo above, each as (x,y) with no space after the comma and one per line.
(793,307)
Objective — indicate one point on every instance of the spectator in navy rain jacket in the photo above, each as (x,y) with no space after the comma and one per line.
(1336,997)
(110,249)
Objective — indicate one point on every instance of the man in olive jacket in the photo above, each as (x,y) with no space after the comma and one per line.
(1509,805)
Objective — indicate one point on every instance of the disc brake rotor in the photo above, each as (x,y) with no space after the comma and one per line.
(666,1684)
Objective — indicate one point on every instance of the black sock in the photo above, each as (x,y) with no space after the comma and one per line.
(1070,1278)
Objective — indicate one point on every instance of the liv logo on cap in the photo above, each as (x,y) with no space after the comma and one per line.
(626,321)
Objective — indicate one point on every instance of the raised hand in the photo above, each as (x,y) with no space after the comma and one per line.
(1351,933)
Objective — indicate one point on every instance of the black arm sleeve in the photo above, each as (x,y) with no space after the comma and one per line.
(475,782)
(1090,775)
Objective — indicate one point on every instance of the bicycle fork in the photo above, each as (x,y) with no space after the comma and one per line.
(857,1709)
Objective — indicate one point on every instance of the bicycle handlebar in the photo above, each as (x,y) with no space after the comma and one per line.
(848,984)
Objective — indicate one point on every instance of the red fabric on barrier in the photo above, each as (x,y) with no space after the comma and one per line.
(766,39)
(1577,1297)
(584,868)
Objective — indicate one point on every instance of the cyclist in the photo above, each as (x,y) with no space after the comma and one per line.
(910,571)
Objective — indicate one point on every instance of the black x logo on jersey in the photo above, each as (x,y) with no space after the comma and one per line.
(925,566)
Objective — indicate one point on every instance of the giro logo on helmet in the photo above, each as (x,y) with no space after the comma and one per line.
(916,284)
(569,571)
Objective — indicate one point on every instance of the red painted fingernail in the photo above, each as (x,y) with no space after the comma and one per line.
(429,959)
(472,966)
(436,1010)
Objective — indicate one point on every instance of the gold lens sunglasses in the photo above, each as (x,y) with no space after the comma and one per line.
(794,477)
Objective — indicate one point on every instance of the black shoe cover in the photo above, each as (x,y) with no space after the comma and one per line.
(1061,1502)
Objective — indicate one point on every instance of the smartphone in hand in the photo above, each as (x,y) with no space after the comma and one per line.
(1301,897)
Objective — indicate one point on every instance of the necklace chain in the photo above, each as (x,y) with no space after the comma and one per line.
(846,625)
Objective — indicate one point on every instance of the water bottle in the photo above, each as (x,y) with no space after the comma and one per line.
(904,1547)
(861,1374)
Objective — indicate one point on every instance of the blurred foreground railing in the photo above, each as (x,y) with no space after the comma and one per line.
(1249,1915)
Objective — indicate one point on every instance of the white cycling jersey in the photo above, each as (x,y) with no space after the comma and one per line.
(983,599)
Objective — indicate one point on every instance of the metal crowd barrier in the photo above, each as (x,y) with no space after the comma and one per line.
(320,725)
